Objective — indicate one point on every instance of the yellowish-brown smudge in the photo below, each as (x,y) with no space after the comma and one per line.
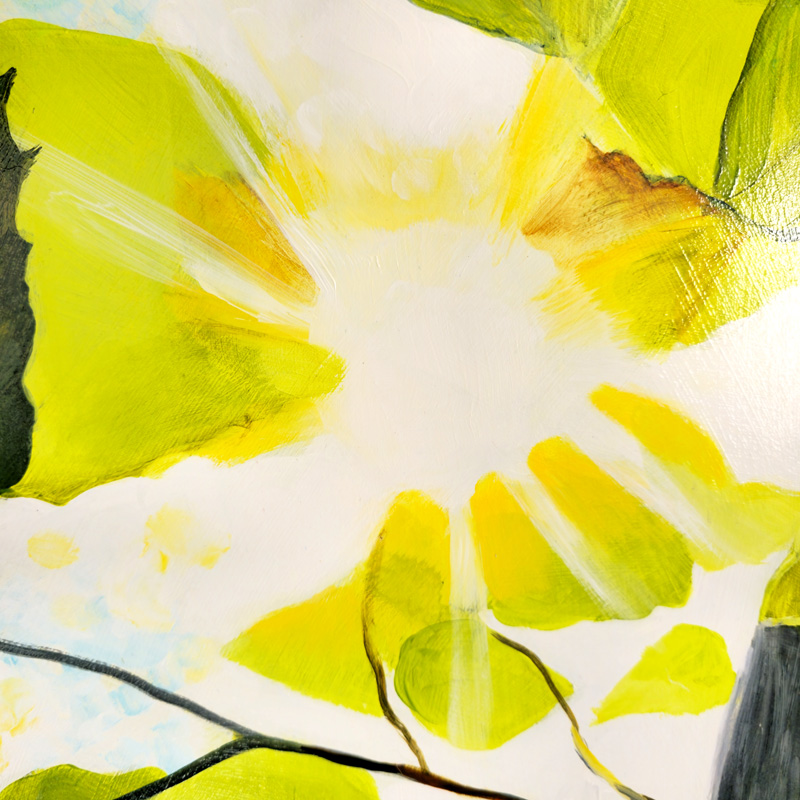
(232,212)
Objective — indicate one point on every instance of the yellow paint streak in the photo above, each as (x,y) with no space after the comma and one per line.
(230,210)
(529,584)
(667,434)
(746,521)
(52,550)
(632,551)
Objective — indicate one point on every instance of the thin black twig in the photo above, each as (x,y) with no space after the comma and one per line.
(248,739)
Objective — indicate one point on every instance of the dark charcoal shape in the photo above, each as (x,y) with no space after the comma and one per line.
(762,749)
(16,317)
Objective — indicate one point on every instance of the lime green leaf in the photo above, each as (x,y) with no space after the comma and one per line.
(760,151)
(553,27)
(150,342)
(66,782)
(687,671)
(464,685)
(668,71)
(316,647)
(259,774)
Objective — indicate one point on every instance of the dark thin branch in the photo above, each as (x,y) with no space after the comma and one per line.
(249,739)
(122,675)
(235,748)
(581,746)
(367,624)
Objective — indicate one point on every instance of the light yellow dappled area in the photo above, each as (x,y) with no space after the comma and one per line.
(174,535)
(687,671)
(637,559)
(744,522)
(170,308)
(52,550)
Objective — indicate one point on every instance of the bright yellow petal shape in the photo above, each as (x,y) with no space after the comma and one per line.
(748,521)
(152,339)
(66,782)
(464,685)
(528,583)
(687,671)
(316,647)
(408,573)
(258,774)
(637,557)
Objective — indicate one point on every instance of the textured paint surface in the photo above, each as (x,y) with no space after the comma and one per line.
(466,686)
(522,571)
(759,747)
(500,271)
(68,782)
(758,155)
(203,367)
(687,671)
(637,557)
(16,318)
(744,522)
(282,776)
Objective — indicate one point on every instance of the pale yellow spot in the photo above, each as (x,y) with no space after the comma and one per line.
(175,537)
(52,550)
(74,612)
(16,706)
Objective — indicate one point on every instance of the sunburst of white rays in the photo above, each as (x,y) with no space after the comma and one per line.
(156,238)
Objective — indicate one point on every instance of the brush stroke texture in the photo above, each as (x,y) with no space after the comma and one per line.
(16,317)
(761,754)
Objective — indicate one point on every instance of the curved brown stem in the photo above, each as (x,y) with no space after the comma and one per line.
(367,623)
(586,755)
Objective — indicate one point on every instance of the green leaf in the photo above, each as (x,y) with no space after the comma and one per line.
(318,648)
(759,157)
(145,350)
(66,782)
(464,685)
(667,73)
(260,774)
(687,671)
(553,27)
